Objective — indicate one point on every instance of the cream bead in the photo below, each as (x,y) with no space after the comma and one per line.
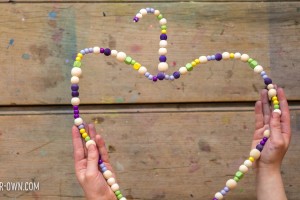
(89,143)
(245,58)
(96,50)
(75,101)
(278,111)
(231,184)
(237,55)
(76,71)
(142,70)
(218,195)
(121,56)
(74,80)
(163,21)
(248,163)
(272,93)
(115,187)
(183,70)
(156,12)
(114,53)
(163,66)
(139,15)
(203,59)
(244,168)
(255,153)
(270,86)
(258,69)
(162,51)
(111,181)
(107,174)
(225,56)
(123,198)
(78,121)
(163,43)
(143,11)
(267,133)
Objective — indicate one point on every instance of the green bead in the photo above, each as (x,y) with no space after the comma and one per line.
(236,179)
(117,192)
(87,138)
(77,64)
(133,62)
(253,64)
(276,106)
(160,16)
(119,196)
(189,66)
(249,60)
(239,174)
(128,60)
(164,27)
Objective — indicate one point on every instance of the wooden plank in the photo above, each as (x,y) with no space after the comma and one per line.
(162,155)
(38,43)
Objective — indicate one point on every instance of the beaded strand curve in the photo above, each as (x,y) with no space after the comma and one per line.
(162,68)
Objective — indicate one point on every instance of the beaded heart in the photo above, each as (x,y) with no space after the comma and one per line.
(162,75)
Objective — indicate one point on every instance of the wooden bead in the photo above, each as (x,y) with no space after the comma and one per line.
(121,56)
(163,43)
(115,187)
(96,50)
(231,184)
(75,101)
(244,168)
(90,142)
(203,59)
(123,198)
(162,51)
(76,71)
(270,86)
(248,163)
(244,58)
(74,80)
(255,153)
(156,12)
(163,21)
(278,111)
(143,11)
(114,53)
(162,66)
(267,133)
(237,55)
(219,196)
(111,181)
(142,70)
(183,70)
(272,93)
(225,56)
(258,69)
(107,174)
(78,121)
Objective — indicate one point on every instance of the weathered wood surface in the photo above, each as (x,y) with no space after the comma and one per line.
(163,155)
(38,41)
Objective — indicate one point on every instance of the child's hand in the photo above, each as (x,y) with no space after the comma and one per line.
(277,145)
(90,178)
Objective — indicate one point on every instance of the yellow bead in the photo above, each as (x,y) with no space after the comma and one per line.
(84,135)
(275,102)
(251,159)
(274,98)
(79,55)
(197,61)
(164,31)
(137,66)
(82,131)
(231,55)
(194,64)
(78,58)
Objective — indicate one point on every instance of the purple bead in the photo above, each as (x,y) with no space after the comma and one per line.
(162,58)
(91,50)
(74,87)
(265,139)
(215,199)
(100,161)
(161,76)
(262,142)
(259,147)
(154,78)
(107,52)
(86,50)
(135,19)
(226,189)
(172,78)
(76,116)
(267,81)
(223,192)
(101,50)
(163,36)
(75,93)
(75,107)
(176,75)
(218,56)
(76,111)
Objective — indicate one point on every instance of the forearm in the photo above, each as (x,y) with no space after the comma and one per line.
(269,184)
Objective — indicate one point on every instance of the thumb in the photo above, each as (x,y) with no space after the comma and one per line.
(92,159)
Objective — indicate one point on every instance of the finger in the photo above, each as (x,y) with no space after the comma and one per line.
(92,131)
(285,112)
(77,145)
(265,106)
(259,133)
(259,117)
(275,127)
(92,160)
(102,148)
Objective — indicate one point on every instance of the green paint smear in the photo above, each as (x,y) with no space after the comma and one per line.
(26,56)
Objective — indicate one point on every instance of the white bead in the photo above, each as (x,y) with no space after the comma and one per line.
(248,163)
(74,80)
(139,15)
(272,93)
(255,153)
(121,56)
(156,12)
(218,195)
(163,21)
(115,187)
(75,101)
(244,168)
(163,66)
(270,86)
(143,11)
(76,71)
(237,55)
(258,69)
(267,133)
(278,111)
(107,174)
(203,59)
(96,50)
(231,184)
(163,43)
(90,142)
(162,51)
(123,198)
(111,181)
(183,70)
(142,70)
(225,56)
(78,121)
(244,58)
(114,53)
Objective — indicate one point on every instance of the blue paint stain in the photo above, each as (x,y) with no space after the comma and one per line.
(26,56)
(11,42)
(52,15)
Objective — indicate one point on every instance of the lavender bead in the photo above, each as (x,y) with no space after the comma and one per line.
(75,93)
(150,77)
(81,126)
(107,52)
(265,76)
(172,78)
(226,189)
(267,81)
(154,78)
(259,147)
(167,77)
(162,58)
(161,76)
(262,142)
(148,10)
(265,139)
(82,52)
(104,169)
(176,75)
(218,56)
(262,73)
(74,87)
(76,116)
(223,192)
(102,165)
(163,36)
(147,74)
(213,57)
(152,10)
(91,50)
(86,50)
(208,58)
